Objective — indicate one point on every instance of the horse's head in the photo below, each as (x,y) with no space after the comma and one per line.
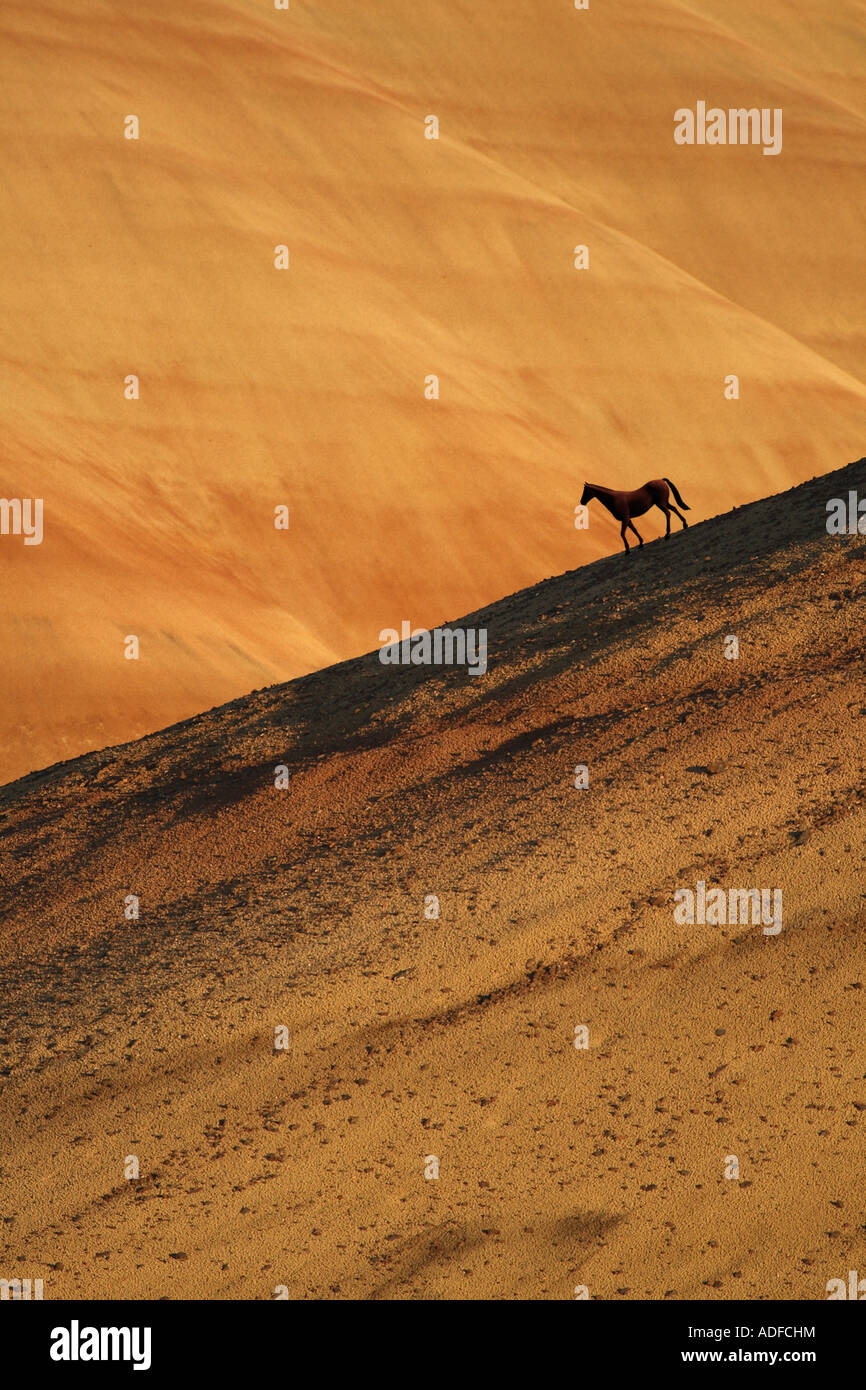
(586,495)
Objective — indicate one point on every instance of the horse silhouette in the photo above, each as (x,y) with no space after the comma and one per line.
(625,505)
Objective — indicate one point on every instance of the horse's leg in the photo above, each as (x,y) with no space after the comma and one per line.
(667,512)
(622,533)
(636,531)
(680,515)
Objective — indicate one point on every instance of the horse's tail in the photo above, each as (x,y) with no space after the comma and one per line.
(679,501)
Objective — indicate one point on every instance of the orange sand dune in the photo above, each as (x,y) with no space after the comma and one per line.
(411,1036)
(409,257)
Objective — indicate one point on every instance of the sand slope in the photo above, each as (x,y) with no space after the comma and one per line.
(453,1038)
(409,257)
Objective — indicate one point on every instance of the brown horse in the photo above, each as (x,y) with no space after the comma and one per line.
(625,505)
